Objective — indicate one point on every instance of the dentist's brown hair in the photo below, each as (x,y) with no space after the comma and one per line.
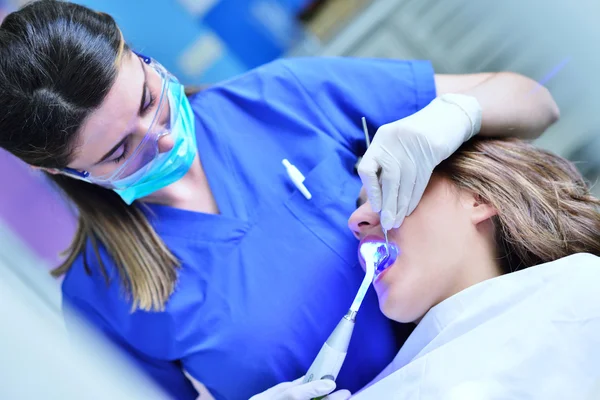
(58,61)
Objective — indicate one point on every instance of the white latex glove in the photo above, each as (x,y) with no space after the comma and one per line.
(399,162)
(297,390)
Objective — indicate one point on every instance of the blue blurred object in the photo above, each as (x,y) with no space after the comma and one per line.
(256,31)
(205,41)
(295,6)
(5,7)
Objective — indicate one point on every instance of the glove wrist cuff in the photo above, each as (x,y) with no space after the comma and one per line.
(470,106)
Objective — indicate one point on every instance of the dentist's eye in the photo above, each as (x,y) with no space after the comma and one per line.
(123,155)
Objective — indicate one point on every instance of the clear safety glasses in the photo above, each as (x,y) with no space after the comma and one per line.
(145,148)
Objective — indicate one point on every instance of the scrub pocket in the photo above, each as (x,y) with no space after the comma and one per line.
(334,191)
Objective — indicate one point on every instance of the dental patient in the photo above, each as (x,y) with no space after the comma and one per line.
(499,268)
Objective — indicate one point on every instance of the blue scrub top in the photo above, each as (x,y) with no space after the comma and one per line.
(264,283)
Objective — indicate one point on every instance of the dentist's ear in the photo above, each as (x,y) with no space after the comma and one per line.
(51,171)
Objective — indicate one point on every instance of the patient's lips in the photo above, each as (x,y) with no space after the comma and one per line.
(372,249)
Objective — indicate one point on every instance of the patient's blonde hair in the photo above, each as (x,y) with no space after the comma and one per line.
(545,209)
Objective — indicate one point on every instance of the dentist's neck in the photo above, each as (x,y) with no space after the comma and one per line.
(192,192)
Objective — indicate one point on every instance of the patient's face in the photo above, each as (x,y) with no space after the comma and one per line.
(436,250)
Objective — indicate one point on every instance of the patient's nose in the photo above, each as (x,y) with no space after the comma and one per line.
(363,220)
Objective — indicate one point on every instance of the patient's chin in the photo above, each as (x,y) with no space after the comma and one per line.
(399,312)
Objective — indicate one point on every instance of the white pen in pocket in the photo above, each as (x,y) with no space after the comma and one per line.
(296,177)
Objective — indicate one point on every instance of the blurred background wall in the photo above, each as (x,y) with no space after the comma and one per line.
(204,41)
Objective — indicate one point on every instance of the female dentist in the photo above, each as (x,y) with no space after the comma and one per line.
(195,251)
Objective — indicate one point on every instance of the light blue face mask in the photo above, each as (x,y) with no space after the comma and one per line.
(170,166)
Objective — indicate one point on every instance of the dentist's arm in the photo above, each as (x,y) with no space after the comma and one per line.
(511,104)
(397,166)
